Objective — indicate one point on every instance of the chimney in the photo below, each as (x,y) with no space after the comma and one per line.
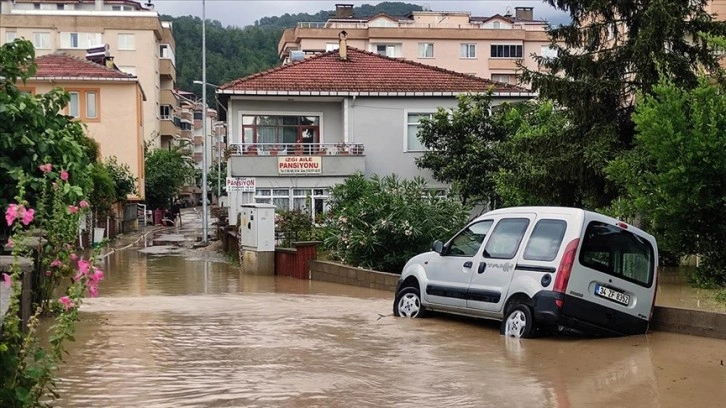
(343,45)
(524,13)
(343,11)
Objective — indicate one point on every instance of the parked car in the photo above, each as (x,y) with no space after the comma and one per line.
(536,268)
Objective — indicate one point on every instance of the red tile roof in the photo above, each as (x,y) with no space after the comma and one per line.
(362,72)
(67,66)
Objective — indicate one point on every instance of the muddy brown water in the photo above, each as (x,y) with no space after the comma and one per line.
(187,331)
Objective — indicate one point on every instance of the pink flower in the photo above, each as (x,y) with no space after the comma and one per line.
(28,216)
(56,263)
(64,175)
(66,302)
(72,209)
(46,168)
(11,213)
(7,280)
(84,267)
(84,204)
(92,291)
(10,243)
(48,273)
(97,275)
(74,257)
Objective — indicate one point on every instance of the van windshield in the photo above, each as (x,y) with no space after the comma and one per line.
(618,252)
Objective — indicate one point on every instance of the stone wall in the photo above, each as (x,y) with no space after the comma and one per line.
(348,275)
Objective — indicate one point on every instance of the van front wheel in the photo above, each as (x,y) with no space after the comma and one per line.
(518,322)
(408,303)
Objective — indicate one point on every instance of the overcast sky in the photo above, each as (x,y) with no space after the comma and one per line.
(245,12)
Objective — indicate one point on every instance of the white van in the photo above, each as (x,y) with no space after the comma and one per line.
(536,268)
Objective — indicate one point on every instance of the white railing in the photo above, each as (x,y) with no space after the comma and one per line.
(469,26)
(295,149)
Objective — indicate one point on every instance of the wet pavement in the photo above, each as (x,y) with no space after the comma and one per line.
(182,327)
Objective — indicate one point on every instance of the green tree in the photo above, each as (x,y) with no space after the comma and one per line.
(103,193)
(166,172)
(675,177)
(462,147)
(217,178)
(124,180)
(528,175)
(33,131)
(610,51)
(380,223)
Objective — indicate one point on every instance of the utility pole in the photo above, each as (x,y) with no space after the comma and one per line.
(204,123)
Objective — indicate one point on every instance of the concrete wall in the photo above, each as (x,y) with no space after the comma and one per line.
(347,275)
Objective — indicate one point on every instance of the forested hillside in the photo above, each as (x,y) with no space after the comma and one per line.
(234,52)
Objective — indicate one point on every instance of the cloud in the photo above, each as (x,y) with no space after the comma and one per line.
(246,12)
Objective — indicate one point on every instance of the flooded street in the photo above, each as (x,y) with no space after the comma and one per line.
(188,330)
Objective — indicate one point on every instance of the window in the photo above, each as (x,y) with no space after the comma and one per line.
(84,104)
(122,8)
(506,237)
(10,36)
(269,129)
(545,241)
(388,50)
(126,42)
(165,112)
(503,78)
(618,252)
(497,25)
(413,120)
(425,50)
(60,6)
(548,52)
(506,51)
(468,51)
(331,46)
(91,105)
(197,115)
(79,40)
(41,41)
(468,241)
(74,104)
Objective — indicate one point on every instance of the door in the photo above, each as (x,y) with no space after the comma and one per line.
(494,264)
(449,273)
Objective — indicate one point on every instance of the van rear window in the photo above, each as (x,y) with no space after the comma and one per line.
(618,252)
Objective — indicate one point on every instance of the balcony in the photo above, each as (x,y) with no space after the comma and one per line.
(169,128)
(166,69)
(504,64)
(297,159)
(168,97)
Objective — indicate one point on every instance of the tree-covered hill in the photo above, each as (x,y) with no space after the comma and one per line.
(234,52)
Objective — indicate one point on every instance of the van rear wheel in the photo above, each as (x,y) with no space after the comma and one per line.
(518,322)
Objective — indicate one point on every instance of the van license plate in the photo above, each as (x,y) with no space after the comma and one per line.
(613,295)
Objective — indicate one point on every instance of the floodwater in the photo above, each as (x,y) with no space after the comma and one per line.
(189,330)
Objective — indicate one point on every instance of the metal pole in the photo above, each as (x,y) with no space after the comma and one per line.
(219,165)
(204,122)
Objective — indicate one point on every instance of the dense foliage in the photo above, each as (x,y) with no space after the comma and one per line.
(462,147)
(610,51)
(234,52)
(675,177)
(166,172)
(380,223)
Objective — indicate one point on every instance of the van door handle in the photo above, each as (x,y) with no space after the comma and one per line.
(482,267)
(467,264)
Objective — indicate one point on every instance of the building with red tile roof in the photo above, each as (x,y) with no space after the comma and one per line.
(107,101)
(297,130)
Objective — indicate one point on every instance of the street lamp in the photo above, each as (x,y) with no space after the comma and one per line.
(219,155)
(204,123)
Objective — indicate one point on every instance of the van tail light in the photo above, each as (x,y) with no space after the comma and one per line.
(563,272)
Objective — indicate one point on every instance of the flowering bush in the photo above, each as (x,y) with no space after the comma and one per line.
(380,223)
(26,366)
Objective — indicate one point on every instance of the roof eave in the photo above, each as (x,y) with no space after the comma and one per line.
(253,92)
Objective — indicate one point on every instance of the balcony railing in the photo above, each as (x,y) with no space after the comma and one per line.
(295,149)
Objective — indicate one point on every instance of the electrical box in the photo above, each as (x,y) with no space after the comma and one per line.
(257,227)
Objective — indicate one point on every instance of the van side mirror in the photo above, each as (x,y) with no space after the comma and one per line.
(438,246)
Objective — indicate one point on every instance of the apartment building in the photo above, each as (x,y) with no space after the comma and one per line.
(488,47)
(141,43)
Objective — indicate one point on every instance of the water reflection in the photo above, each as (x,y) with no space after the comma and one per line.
(172,331)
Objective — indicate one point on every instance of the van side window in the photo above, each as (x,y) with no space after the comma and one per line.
(618,252)
(545,241)
(505,238)
(469,240)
